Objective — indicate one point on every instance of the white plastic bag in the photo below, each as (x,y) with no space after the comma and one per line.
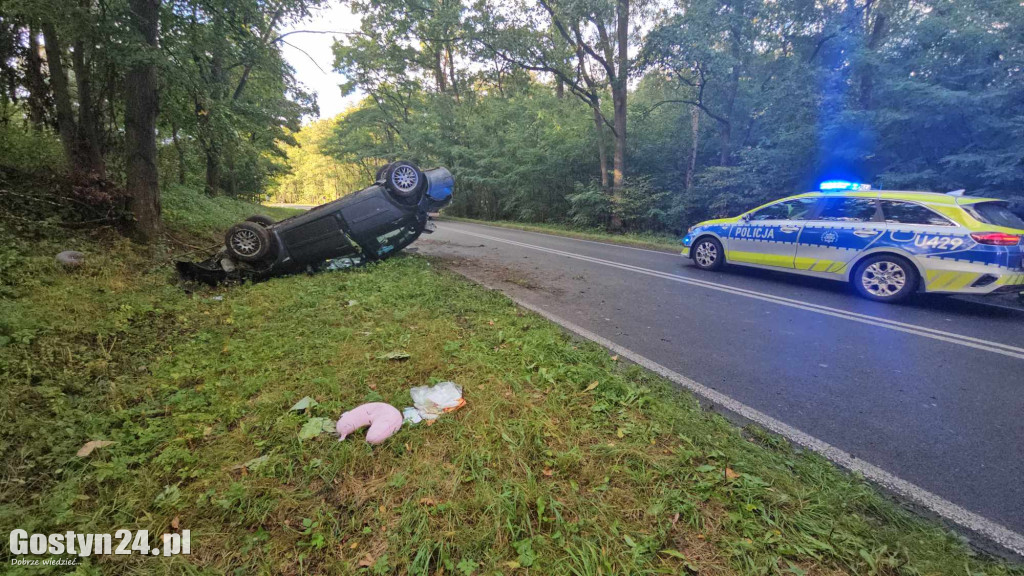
(432,401)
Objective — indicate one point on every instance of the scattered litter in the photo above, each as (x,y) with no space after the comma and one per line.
(315,427)
(411,415)
(342,263)
(396,355)
(432,401)
(70,258)
(383,419)
(88,447)
(304,404)
(352,303)
(217,298)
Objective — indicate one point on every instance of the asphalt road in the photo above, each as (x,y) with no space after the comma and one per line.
(931,392)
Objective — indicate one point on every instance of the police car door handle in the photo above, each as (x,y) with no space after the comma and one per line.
(865,233)
(789,228)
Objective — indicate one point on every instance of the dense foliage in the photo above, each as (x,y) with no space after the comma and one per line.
(730,103)
(195,91)
(611,113)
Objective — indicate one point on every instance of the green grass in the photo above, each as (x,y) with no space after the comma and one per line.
(198,215)
(663,242)
(564,461)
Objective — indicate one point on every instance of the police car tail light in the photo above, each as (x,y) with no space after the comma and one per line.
(996,238)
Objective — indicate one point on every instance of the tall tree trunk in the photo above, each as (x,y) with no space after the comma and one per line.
(143,183)
(212,168)
(88,137)
(451,71)
(66,127)
(602,154)
(439,76)
(867,80)
(212,146)
(694,135)
(620,90)
(560,89)
(34,82)
(182,165)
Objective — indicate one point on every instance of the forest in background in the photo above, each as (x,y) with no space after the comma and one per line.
(644,116)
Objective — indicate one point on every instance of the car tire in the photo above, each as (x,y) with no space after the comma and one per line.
(405,181)
(261,220)
(708,254)
(379,177)
(247,241)
(885,278)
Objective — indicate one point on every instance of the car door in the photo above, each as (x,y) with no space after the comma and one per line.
(842,228)
(922,231)
(768,236)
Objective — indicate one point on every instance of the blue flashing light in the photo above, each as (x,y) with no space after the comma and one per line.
(834,185)
(837,185)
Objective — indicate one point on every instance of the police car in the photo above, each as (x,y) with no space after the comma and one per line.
(888,244)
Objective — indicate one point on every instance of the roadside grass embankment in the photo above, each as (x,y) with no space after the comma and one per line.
(564,461)
(660,242)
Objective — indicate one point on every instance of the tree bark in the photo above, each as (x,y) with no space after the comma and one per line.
(212,146)
(602,154)
(61,97)
(88,138)
(182,166)
(620,90)
(695,134)
(867,81)
(35,83)
(143,183)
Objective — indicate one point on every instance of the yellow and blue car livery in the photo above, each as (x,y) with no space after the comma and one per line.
(956,243)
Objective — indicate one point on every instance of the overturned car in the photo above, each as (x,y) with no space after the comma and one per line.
(368,225)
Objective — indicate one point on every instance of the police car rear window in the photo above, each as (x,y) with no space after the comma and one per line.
(848,210)
(909,213)
(997,214)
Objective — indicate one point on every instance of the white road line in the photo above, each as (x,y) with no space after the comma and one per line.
(662,252)
(932,333)
(958,515)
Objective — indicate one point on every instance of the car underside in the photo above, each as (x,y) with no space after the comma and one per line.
(368,225)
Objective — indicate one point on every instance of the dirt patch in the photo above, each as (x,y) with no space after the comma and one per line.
(490,272)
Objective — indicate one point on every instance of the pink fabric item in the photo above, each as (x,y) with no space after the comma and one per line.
(384,420)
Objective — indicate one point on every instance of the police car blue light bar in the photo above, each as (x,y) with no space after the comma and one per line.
(835,185)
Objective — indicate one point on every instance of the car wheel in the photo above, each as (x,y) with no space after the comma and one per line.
(405,181)
(885,278)
(247,241)
(380,172)
(708,254)
(261,220)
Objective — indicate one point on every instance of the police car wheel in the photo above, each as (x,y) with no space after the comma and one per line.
(708,254)
(885,278)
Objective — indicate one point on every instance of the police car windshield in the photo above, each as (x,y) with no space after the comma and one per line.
(997,214)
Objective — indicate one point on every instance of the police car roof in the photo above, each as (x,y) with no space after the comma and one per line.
(919,196)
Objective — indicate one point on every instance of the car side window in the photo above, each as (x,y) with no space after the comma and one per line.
(909,213)
(848,210)
(798,209)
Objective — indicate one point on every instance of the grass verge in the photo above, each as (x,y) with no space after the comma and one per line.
(564,461)
(662,242)
(192,213)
